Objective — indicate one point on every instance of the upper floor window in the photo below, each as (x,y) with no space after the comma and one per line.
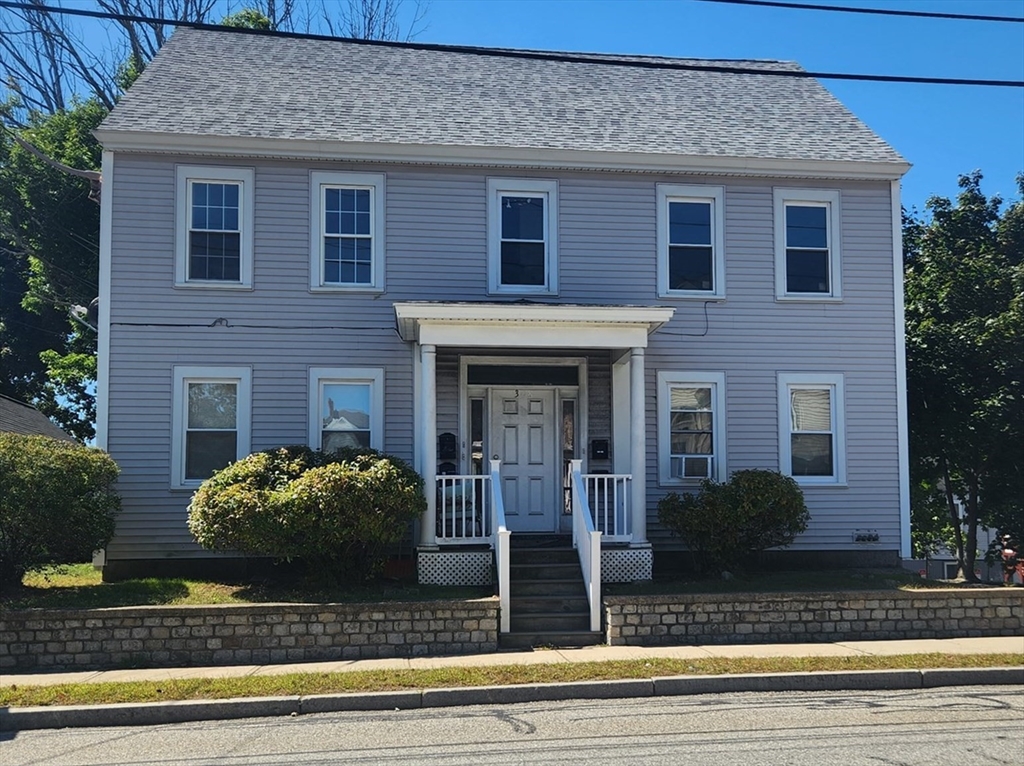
(812,428)
(691,426)
(807,235)
(522,234)
(346,407)
(210,414)
(214,226)
(347,232)
(691,254)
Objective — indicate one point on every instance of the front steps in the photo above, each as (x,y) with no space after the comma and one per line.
(548,602)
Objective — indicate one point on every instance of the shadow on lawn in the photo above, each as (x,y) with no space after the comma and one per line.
(146,592)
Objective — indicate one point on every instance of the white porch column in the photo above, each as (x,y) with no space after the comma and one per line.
(428,462)
(638,445)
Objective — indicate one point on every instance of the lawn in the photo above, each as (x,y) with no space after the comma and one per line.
(448,677)
(79,586)
(829,580)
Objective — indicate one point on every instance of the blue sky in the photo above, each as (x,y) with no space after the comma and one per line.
(942,130)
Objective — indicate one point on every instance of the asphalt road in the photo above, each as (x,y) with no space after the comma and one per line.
(973,726)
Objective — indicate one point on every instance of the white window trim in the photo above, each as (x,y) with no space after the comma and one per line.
(213,174)
(374,376)
(182,375)
(498,187)
(375,183)
(835,382)
(677,193)
(667,380)
(829,197)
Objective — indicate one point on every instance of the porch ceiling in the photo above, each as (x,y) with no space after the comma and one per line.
(528,325)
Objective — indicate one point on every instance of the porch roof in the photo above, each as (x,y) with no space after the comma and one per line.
(528,325)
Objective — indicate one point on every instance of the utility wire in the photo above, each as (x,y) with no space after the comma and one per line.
(636,63)
(874,11)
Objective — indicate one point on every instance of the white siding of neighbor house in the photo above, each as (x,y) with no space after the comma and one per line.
(436,250)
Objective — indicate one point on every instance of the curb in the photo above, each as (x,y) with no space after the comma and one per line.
(154,713)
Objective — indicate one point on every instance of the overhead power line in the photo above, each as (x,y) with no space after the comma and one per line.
(873,11)
(580,58)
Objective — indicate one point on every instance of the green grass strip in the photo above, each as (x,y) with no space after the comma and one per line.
(393,680)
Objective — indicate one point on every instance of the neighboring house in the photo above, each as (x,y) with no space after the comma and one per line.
(20,418)
(657,268)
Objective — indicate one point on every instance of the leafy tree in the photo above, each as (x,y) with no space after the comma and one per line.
(964,277)
(49,260)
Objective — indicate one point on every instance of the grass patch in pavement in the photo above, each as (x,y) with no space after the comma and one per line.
(79,586)
(447,677)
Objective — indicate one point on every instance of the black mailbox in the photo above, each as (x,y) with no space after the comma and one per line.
(447,448)
(598,449)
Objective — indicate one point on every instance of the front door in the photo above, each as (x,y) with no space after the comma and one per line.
(522,436)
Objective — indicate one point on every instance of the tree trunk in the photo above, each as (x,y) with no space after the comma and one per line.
(971,518)
(954,518)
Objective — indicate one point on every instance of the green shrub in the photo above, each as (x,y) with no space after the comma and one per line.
(57,503)
(723,524)
(337,511)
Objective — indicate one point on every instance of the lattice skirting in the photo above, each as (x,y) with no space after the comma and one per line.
(626,564)
(455,567)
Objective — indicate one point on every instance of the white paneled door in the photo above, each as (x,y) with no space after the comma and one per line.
(522,436)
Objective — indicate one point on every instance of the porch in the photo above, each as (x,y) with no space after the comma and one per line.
(506,397)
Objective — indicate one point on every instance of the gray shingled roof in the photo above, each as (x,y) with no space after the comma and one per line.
(213,83)
(20,418)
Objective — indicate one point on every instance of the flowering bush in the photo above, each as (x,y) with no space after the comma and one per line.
(337,511)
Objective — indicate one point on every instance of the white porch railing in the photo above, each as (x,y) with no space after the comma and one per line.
(463,513)
(501,543)
(608,497)
(587,542)
(471,510)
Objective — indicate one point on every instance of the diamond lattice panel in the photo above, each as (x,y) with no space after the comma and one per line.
(455,568)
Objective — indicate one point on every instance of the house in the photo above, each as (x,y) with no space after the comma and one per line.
(561,284)
(20,418)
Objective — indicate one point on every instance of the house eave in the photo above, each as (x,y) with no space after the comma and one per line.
(493,157)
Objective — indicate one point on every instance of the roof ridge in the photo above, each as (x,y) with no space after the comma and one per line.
(477,50)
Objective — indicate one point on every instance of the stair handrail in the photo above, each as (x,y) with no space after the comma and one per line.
(587,542)
(501,541)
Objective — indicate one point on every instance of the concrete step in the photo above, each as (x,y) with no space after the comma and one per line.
(548,604)
(568,638)
(543,556)
(539,540)
(550,622)
(567,588)
(544,571)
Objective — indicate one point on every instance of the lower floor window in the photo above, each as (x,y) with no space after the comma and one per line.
(690,426)
(811,427)
(346,407)
(211,421)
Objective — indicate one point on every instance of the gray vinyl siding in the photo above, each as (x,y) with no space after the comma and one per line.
(436,249)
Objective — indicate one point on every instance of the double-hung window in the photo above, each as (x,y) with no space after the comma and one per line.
(812,441)
(691,426)
(214,226)
(347,231)
(691,257)
(522,236)
(807,237)
(210,413)
(346,407)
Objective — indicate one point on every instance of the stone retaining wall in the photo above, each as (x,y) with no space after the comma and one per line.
(806,617)
(161,636)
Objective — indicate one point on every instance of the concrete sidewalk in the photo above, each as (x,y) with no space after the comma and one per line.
(998,645)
